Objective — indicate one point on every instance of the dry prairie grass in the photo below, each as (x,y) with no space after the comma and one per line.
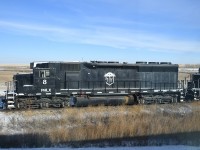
(77,124)
(189,65)
(127,122)
(6,75)
(7,72)
(96,123)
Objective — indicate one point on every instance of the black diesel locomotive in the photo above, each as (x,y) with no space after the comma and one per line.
(193,88)
(97,82)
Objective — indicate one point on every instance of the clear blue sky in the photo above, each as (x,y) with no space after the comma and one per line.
(84,30)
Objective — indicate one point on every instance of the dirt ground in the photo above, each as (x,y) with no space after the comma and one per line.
(7,72)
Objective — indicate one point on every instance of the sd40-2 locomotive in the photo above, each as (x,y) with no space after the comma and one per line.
(97,82)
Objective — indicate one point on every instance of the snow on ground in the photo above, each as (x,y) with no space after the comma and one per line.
(8,124)
(10,118)
(179,147)
(182,109)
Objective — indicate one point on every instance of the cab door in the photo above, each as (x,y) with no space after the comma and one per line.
(44,81)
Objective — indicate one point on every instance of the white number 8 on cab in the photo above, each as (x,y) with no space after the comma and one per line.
(44,81)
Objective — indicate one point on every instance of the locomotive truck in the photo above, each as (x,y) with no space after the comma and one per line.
(57,84)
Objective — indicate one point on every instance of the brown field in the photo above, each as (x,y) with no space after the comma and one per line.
(189,65)
(7,72)
(58,126)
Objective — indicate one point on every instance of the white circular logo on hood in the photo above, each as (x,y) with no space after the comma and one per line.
(109,78)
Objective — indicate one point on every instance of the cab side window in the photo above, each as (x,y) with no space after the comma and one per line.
(44,73)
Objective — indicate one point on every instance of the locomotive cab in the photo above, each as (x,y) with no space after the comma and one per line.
(44,81)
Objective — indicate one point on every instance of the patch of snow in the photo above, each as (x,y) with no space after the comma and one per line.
(177,110)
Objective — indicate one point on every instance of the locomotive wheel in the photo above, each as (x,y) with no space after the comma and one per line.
(40,105)
(62,105)
(47,105)
(18,105)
